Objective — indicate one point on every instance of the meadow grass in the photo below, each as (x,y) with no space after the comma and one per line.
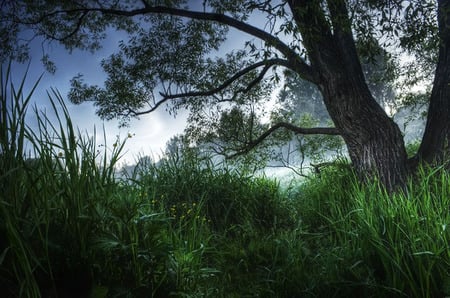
(185,227)
(382,244)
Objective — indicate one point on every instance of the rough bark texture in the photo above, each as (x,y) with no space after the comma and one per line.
(435,146)
(374,141)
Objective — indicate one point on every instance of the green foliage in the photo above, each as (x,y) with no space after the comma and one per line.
(174,53)
(227,197)
(185,227)
(69,226)
(179,51)
(13,203)
(375,244)
(60,214)
(411,149)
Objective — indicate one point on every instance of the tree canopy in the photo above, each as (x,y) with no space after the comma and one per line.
(185,54)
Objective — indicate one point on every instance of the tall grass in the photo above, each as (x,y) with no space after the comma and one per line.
(227,196)
(212,210)
(70,228)
(48,202)
(57,207)
(13,206)
(185,227)
(375,243)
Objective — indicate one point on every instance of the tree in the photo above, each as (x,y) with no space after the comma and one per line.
(169,60)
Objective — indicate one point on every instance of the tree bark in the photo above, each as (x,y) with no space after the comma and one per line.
(435,146)
(374,141)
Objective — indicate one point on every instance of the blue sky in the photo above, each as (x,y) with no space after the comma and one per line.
(150,133)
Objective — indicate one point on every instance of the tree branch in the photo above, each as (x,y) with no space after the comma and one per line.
(71,33)
(267,64)
(296,129)
(296,63)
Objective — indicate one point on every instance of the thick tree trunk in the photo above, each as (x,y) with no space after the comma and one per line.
(375,144)
(435,146)
(374,141)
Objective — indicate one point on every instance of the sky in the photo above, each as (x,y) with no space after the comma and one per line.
(150,132)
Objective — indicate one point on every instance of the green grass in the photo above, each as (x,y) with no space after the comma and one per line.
(389,245)
(184,227)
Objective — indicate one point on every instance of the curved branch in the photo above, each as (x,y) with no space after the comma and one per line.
(258,79)
(296,63)
(296,129)
(73,32)
(267,64)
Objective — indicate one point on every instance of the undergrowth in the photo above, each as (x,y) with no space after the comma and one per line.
(184,227)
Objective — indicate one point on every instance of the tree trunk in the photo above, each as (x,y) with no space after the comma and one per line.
(375,143)
(435,146)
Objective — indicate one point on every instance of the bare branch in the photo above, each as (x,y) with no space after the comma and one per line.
(296,129)
(286,161)
(295,170)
